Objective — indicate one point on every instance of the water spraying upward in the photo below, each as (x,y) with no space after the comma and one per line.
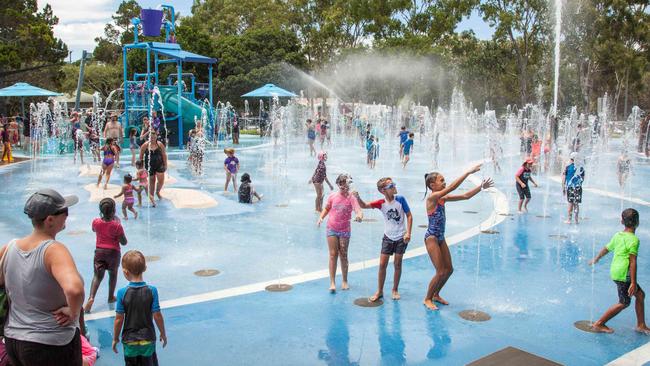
(558,32)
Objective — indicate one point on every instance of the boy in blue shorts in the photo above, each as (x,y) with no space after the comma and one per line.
(137,308)
(407,147)
(398,222)
(625,245)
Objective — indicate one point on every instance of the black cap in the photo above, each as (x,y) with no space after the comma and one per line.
(46,202)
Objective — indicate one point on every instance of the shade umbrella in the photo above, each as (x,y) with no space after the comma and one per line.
(269,91)
(23,90)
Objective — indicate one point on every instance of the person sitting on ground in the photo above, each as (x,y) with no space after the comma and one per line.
(623,271)
(246,191)
(43,319)
(137,305)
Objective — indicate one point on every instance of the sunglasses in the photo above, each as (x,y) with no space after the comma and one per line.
(390,186)
(63,211)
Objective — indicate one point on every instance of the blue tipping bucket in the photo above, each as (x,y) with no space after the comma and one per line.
(151,20)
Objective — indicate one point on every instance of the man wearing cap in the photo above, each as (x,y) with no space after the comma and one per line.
(45,288)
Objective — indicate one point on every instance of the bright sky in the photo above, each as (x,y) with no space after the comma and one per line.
(81,21)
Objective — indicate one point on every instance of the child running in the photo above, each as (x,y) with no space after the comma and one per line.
(434,239)
(625,245)
(340,204)
(406,150)
(522,177)
(110,152)
(320,176)
(110,235)
(398,222)
(129,200)
(231,166)
(136,311)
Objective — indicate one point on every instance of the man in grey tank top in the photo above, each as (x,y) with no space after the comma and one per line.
(45,288)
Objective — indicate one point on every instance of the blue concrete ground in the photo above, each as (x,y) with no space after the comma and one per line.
(532,276)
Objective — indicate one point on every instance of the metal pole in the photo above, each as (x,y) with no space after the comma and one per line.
(80,82)
(126,87)
(179,115)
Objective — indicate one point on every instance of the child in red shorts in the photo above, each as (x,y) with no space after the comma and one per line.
(110,235)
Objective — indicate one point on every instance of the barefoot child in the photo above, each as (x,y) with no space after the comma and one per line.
(143,182)
(129,200)
(398,222)
(434,239)
(625,245)
(522,177)
(320,176)
(231,166)
(110,235)
(340,204)
(133,144)
(623,168)
(137,305)
(109,151)
(403,136)
(406,150)
(573,177)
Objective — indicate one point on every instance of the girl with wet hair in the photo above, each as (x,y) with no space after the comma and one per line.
(434,239)
(110,235)
(340,206)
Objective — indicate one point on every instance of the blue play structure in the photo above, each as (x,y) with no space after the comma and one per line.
(182,102)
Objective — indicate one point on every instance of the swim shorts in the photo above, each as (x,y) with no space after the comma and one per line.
(523,192)
(390,247)
(106,259)
(340,234)
(622,288)
(574,194)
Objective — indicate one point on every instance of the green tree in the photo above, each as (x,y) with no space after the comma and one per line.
(523,25)
(28,41)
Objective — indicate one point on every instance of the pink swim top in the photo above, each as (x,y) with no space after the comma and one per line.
(341,208)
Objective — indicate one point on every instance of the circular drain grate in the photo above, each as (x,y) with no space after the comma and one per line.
(558,236)
(282,205)
(151,258)
(506,214)
(585,326)
(489,231)
(543,216)
(206,272)
(364,302)
(423,226)
(278,287)
(369,220)
(470,212)
(475,315)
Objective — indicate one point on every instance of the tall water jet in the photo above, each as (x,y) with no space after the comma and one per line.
(558,33)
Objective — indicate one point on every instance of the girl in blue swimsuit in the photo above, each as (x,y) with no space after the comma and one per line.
(107,163)
(434,239)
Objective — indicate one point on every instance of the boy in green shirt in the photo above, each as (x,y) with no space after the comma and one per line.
(625,246)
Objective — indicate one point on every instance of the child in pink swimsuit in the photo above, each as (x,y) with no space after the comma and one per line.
(129,199)
(340,206)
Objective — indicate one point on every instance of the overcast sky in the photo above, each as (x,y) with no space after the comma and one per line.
(81,21)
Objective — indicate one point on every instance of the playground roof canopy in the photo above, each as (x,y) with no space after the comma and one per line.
(269,91)
(26,90)
(173,50)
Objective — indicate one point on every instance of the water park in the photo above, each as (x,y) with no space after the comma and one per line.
(288,229)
